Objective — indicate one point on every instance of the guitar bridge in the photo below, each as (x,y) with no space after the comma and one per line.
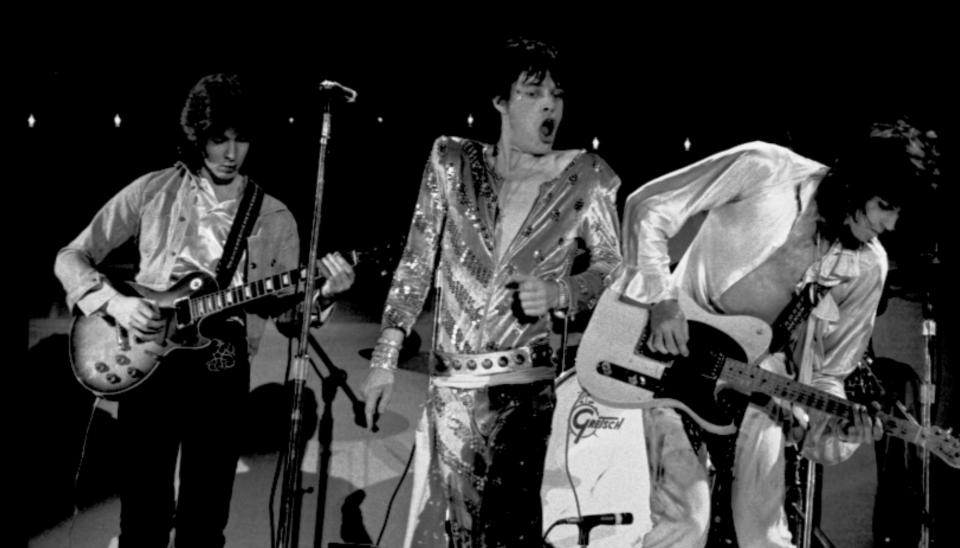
(633,378)
(123,338)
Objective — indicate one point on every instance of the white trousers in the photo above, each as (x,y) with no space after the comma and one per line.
(680,492)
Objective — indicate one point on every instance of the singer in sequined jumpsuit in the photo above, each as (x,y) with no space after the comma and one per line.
(505,219)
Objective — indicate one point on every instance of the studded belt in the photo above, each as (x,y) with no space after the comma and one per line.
(492,363)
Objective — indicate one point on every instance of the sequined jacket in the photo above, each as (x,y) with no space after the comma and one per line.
(456,214)
(754,193)
(156,209)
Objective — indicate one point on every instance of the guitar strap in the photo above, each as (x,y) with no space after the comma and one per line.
(243,223)
(225,354)
(796,313)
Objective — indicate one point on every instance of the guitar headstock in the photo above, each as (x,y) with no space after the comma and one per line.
(942,443)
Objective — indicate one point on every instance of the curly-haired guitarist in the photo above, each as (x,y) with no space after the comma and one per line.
(201,219)
(777,226)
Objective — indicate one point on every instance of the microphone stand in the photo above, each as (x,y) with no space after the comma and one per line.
(927,391)
(810,529)
(583,535)
(335,378)
(288,534)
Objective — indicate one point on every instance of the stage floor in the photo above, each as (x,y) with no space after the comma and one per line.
(365,467)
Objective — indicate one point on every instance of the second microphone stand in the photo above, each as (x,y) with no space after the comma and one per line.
(927,390)
(290,506)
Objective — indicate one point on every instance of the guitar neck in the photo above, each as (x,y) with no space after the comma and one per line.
(224,299)
(748,379)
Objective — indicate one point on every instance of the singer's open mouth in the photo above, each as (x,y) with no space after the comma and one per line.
(547,128)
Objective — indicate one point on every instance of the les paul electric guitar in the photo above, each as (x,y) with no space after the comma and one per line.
(615,367)
(109,361)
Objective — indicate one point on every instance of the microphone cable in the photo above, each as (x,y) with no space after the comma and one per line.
(403,476)
(566,467)
(76,475)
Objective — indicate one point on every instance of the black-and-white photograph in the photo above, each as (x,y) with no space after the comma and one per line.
(448,281)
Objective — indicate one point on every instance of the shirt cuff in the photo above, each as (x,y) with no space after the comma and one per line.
(94,300)
(645,287)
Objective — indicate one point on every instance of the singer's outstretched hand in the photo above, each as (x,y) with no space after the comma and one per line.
(377,390)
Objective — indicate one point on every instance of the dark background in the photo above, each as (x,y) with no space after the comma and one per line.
(640,83)
(641,90)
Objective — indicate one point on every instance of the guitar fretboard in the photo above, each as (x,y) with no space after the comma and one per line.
(218,301)
(750,378)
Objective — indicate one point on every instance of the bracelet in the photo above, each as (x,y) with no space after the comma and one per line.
(384,341)
(385,357)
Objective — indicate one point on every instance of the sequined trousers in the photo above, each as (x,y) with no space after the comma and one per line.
(486,449)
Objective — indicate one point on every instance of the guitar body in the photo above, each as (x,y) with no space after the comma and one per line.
(109,361)
(614,365)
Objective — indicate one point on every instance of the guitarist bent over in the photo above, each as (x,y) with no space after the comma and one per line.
(182,219)
(775,223)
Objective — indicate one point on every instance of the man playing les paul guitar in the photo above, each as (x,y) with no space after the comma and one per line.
(202,215)
(781,233)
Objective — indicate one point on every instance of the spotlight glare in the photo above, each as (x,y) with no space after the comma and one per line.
(470,120)
(31,120)
(686,144)
(116,120)
(596,143)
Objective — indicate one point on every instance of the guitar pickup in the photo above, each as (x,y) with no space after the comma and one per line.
(182,314)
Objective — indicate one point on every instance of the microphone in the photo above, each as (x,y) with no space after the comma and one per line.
(351,94)
(625,518)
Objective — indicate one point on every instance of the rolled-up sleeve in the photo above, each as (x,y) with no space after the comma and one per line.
(114,224)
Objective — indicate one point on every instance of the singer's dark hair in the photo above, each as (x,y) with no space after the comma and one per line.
(215,104)
(523,56)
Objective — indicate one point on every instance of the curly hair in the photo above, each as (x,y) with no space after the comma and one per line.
(215,104)
(523,56)
(899,167)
